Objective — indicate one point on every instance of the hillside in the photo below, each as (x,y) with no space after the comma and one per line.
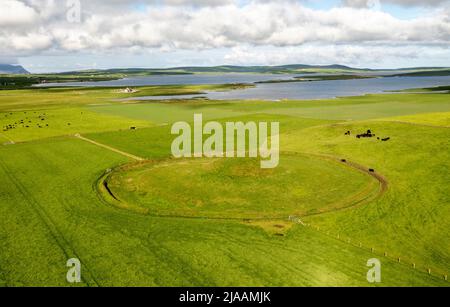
(12,69)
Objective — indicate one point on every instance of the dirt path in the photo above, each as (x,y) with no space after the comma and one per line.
(7,138)
(126,154)
(360,198)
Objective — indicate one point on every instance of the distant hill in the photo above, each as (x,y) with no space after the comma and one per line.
(425,73)
(261,69)
(282,69)
(12,69)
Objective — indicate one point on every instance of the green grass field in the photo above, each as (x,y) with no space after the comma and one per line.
(223,222)
(44,98)
(252,188)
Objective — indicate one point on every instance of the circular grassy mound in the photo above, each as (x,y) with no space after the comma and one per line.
(239,188)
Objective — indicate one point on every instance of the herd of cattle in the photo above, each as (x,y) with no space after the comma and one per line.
(26,122)
(38,120)
(368,134)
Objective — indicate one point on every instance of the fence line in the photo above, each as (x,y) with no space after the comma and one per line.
(400,260)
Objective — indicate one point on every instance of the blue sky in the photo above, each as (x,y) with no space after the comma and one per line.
(167,33)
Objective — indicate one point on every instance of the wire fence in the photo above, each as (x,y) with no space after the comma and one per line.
(355,243)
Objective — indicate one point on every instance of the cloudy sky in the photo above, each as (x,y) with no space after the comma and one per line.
(62,35)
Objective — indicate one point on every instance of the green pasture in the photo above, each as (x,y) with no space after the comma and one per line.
(432,119)
(49,217)
(40,98)
(342,109)
(51,208)
(239,188)
(412,217)
(21,126)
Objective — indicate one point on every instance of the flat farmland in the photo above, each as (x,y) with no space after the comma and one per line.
(314,221)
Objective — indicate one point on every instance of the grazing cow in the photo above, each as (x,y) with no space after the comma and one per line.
(343,160)
(386,139)
(372,170)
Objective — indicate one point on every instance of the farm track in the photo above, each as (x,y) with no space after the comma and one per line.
(128,155)
(368,194)
(7,138)
(68,251)
(358,199)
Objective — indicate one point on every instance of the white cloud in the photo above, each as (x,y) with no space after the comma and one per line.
(16,13)
(29,27)
(320,54)
(407,3)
